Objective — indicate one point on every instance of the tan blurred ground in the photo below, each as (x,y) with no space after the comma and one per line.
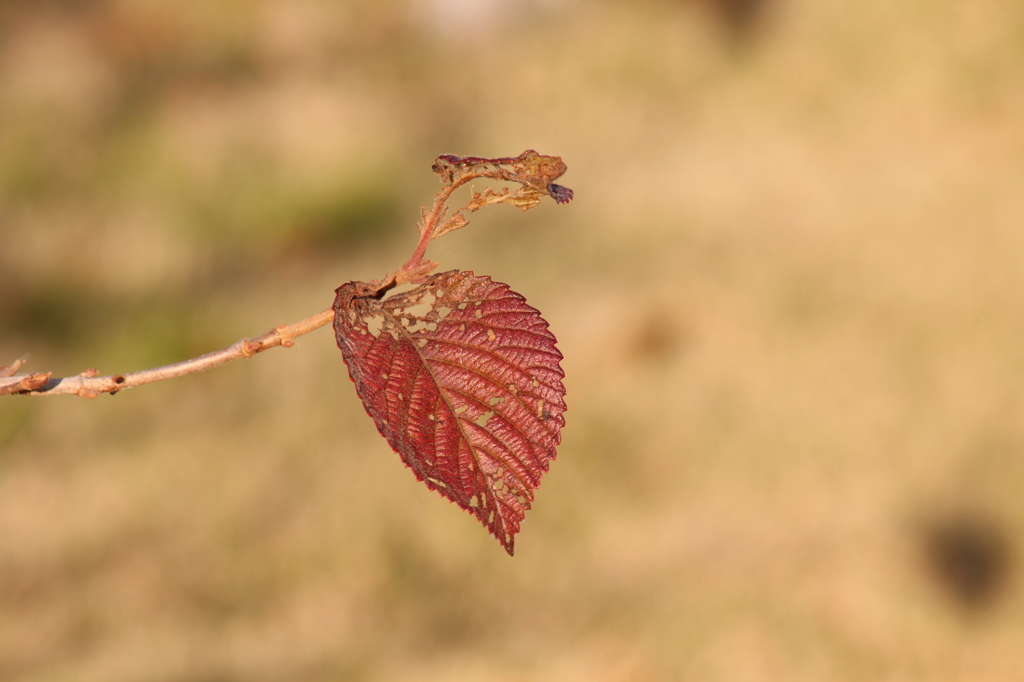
(789,293)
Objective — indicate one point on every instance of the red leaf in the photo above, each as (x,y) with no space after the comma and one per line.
(462,378)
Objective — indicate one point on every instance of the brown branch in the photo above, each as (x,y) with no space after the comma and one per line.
(88,384)
(534,173)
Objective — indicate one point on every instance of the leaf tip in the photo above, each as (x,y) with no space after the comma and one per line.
(561,195)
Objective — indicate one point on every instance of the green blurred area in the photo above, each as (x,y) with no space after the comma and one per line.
(788,293)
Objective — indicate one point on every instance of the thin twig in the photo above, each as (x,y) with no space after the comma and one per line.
(534,172)
(9,370)
(88,384)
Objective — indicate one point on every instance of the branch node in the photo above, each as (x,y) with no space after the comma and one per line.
(34,382)
(283,334)
(249,348)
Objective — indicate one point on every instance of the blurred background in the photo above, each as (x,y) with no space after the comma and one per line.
(788,293)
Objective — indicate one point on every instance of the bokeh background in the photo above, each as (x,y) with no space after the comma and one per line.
(789,295)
